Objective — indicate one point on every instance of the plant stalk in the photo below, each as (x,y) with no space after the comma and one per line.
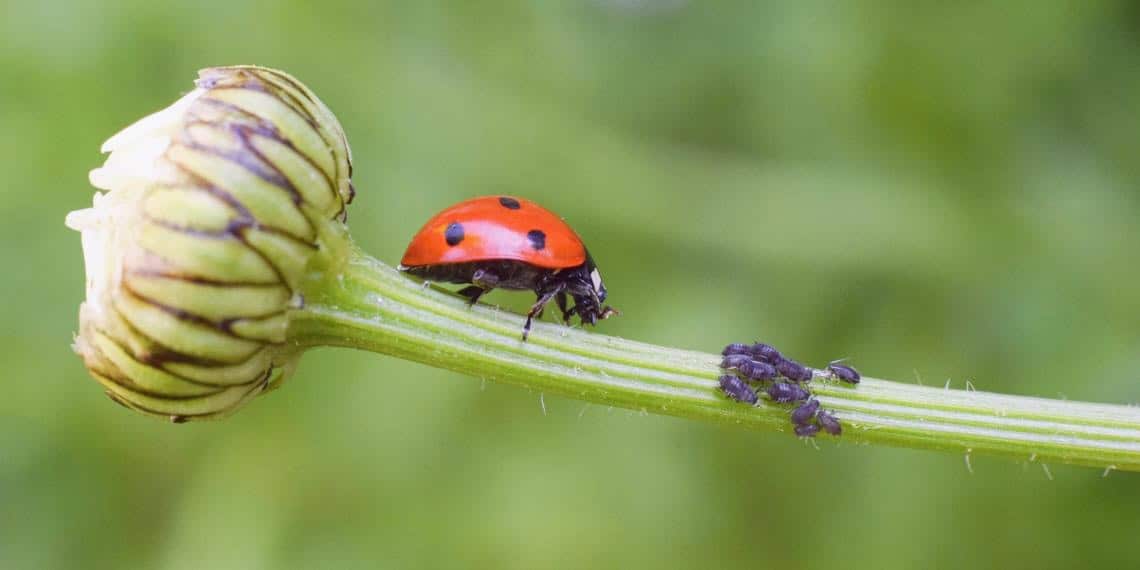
(371,306)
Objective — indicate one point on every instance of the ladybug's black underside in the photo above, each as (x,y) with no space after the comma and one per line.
(548,284)
(513,275)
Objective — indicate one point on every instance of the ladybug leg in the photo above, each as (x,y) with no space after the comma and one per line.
(484,279)
(539,305)
(483,282)
(472,292)
(541,311)
(566,313)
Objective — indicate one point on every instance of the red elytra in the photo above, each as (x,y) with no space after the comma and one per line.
(509,243)
(496,228)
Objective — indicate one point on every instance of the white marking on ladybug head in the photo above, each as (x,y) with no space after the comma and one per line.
(596,278)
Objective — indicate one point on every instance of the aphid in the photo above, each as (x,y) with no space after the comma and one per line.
(829,423)
(844,372)
(793,370)
(805,413)
(807,430)
(736,348)
(736,389)
(766,352)
(735,360)
(509,243)
(784,392)
(757,370)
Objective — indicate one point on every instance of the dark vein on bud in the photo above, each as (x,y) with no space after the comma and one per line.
(224,326)
(258,385)
(262,170)
(122,380)
(204,184)
(243,160)
(270,131)
(233,230)
(341,140)
(286,94)
(228,198)
(186,277)
(159,366)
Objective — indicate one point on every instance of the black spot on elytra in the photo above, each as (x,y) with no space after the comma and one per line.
(453,234)
(509,203)
(537,239)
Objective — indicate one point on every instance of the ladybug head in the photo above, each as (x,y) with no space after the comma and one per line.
(589,293)
(596,282)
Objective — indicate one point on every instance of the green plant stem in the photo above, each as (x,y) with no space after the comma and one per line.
(371,306)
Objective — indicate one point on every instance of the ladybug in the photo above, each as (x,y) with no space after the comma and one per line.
(510,243)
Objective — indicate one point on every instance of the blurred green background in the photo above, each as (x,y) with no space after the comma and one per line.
(939,191)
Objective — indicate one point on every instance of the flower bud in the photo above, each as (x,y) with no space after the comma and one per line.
(214,208)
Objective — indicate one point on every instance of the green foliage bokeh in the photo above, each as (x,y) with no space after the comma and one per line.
(945,191)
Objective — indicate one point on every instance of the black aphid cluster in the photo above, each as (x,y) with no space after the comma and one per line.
(760,367)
